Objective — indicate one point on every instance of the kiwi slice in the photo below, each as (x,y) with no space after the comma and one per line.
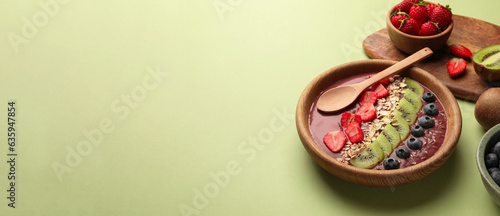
(413,98)
(392,135)
(487,63)
(407,111)
(377,151)
(385,144)
(365,159)
(401,125)
(414,86)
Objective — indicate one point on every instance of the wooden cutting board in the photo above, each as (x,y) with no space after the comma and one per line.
(473,33)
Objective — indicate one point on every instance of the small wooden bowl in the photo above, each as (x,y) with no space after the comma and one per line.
(370,177)
(490,138)
(412,43)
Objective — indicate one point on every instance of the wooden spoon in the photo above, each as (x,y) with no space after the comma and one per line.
(340,97)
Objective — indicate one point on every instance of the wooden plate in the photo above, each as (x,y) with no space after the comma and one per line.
(473,33)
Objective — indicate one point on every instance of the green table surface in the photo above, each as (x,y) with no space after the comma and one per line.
(187,108)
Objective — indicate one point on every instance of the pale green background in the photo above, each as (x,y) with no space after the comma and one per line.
(229,75)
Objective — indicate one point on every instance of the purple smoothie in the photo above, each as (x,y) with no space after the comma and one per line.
(321,123)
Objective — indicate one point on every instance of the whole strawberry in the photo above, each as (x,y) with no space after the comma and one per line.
(441,15)
(430,7)
(428,28)
(405,5)
(397,18)
(410,26)
(419,12)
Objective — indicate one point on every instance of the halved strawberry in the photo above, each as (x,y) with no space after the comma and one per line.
(460,51)
(368,97)
(348,117)
(334,140)
(381,91)
(456,66)
(367,112)
(354,132)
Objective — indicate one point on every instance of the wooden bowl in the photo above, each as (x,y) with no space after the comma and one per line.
(489,139)
(371,177)
(412,43)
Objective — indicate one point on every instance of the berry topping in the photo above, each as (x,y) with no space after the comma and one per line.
(391,163)
(456,66)
(381,91)
(334,140)
(368,97)
(491,160)
(426,122)
(348,117)
(431,109)
(354,132)
(429,97)
(460,51)
(403,152)
(417,131)
(414,143)
(367,112)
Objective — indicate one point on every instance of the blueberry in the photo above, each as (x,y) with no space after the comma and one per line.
(429,97)
(496,149)
(491,160)
(493,169)
(417,131)
(414,143)
(426,122)
(431,109)
(391,163)
(496,177)
(403,153)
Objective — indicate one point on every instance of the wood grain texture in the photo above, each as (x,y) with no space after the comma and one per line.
(473,33)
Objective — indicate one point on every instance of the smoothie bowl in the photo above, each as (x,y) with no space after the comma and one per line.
(398,131)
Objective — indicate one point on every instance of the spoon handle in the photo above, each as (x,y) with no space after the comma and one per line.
(396,68)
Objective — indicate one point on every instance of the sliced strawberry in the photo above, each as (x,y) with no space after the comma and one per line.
(348,117)
(334,140)
(456,66)
(384,82)
(354,132)
(367,112)
(368,97)
(460,51)
(381,91)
